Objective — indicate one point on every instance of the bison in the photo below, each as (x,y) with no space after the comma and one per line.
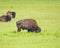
(12,14)
(5,18)
(28,24)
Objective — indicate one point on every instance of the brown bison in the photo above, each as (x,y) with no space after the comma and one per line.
(12,14)
(5,18)
(28,24)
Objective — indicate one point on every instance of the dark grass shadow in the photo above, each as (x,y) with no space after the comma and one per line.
(22,33)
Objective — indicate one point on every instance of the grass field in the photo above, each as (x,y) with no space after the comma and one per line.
(47,15)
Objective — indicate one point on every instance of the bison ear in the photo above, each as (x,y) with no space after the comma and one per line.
(13,14)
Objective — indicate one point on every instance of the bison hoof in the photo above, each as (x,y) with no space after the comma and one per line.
(18,30)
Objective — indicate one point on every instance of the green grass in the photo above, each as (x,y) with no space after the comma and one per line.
(47,15)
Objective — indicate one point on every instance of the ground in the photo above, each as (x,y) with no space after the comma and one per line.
(47,15)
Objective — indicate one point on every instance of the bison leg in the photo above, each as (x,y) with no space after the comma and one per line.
(19,29)
(18,26)
(30,30)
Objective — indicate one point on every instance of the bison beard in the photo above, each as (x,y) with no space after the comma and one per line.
(28,24)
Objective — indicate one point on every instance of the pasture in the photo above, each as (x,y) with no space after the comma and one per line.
(47,15)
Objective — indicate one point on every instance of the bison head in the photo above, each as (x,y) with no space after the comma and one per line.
(12,14)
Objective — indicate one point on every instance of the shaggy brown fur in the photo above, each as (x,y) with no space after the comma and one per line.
(5,18)
(28,24)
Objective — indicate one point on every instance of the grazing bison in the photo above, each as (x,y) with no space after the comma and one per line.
(28,24)
(5,18)
(12,14)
